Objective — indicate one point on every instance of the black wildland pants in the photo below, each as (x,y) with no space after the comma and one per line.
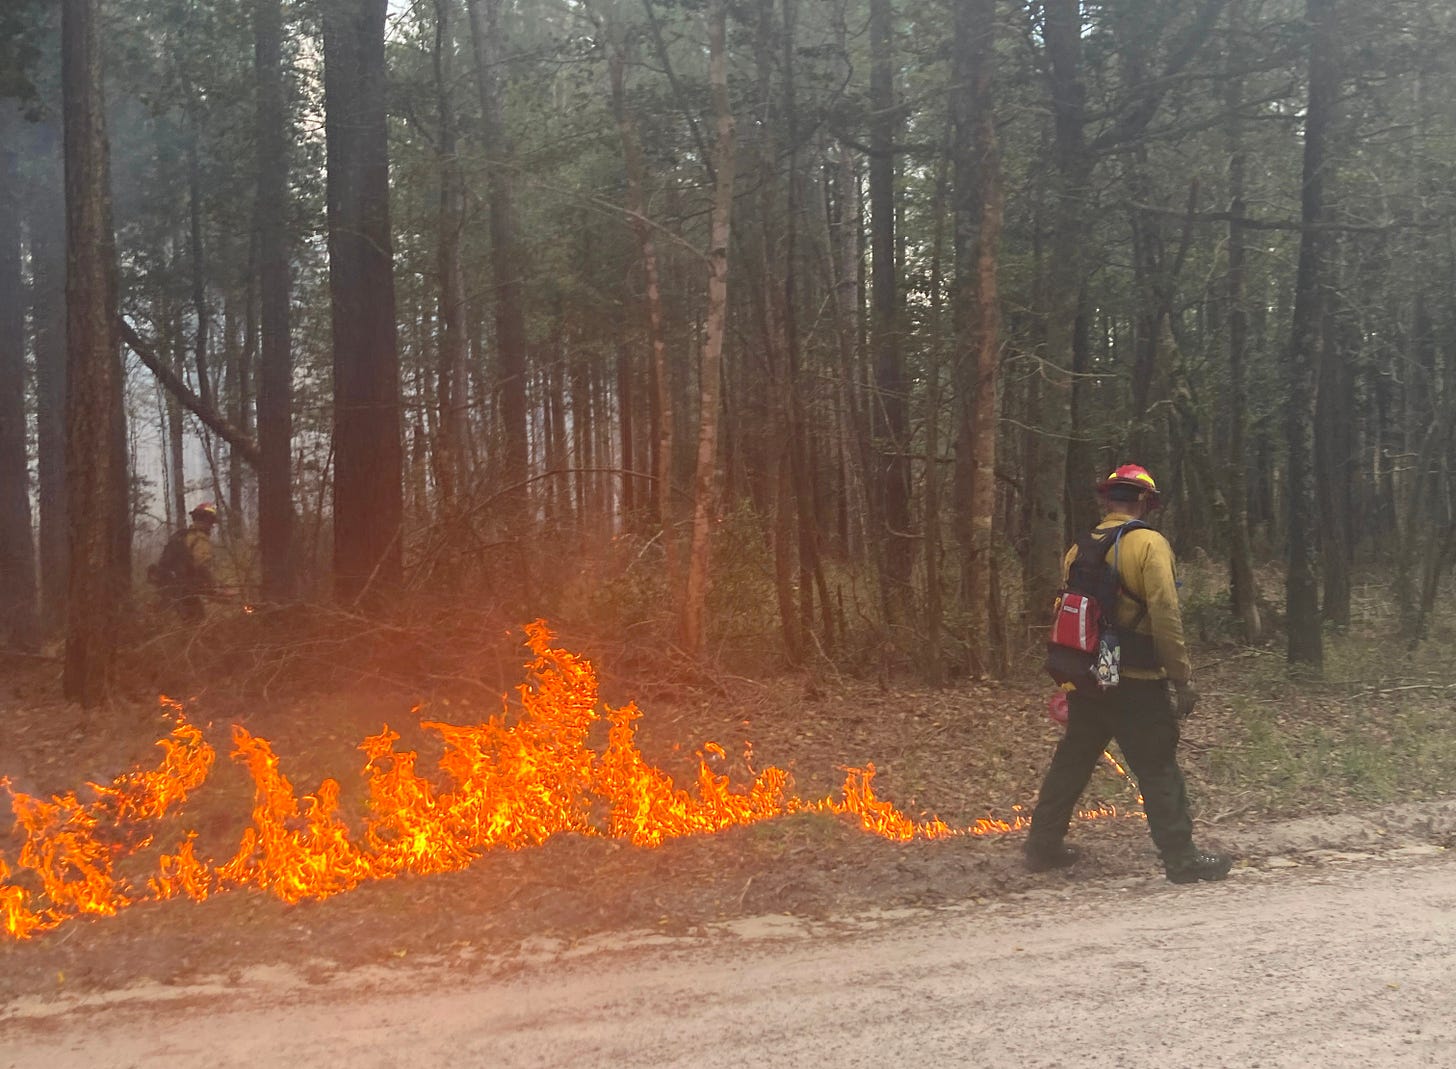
(1138,713)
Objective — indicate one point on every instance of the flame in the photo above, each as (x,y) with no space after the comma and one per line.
(1123,773)
(511,782)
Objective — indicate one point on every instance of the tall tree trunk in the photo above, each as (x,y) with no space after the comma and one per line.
(554,434)
(1306,343)
(170,350)
(858,505)
(767,397)
(624,432)
(199,267)
(977,325)
(48,316)
(1081,506)
(580,460)
(507,269)
(661,410)
(811,567)
(275,362)
(1334,472)
(715,327)
(1417,547)
(1147,364)
(368,452)
(1243,592)
(17,545)
(892,432)
(1422,494)
(452,370)
(934,666)
(96,457)
(765,458)
(235,377)
(1046,461)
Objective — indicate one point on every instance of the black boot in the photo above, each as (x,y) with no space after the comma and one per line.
(1196,865)
(1044,858)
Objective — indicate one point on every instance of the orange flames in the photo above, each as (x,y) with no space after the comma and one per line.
(513,782)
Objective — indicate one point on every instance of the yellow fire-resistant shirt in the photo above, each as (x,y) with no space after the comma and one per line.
(1144,562)
(199,545)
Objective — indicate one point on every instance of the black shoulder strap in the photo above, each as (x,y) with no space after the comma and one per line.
(1130,525)
(1094,547)
(1100,542)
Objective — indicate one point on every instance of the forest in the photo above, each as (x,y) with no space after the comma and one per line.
(772,332)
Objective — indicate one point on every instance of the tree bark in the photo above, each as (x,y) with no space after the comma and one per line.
(554,433)
(1145,445)
(275,357)
(625,432)
(236,382)
(714,329)
(580,440)
(96,465)
(17,545)
(452,365)
(1243,592)
(199,268)
(934,663)
(175,360)
(1047,443)
(1421,507)
(1334,470)
(891,410)
(507,271)
(661,409)
(368,451)
(811,566)
(977,322)
(768,459)
(48,316)
(1305,643)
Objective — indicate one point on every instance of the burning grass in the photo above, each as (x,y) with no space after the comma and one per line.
(515,781)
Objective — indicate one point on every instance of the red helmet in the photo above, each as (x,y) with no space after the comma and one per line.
(206,511)
(1135,476)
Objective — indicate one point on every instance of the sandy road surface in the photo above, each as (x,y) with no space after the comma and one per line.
(1344,963)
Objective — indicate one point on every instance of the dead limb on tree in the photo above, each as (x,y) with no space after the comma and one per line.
(244,446)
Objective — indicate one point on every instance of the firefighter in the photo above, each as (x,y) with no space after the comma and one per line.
(1143,712)
(184,574)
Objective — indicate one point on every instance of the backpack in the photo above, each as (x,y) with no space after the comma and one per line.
(175,568)
(1083,645)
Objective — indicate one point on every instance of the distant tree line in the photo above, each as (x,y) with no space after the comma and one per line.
(809,325)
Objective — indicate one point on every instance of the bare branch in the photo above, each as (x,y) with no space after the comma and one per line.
(245,446)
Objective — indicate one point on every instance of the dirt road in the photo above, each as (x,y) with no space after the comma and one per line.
(1350,960)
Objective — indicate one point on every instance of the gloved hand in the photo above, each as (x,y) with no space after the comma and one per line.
(1185,697)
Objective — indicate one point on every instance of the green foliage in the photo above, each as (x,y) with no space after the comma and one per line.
(1375,728)
(24,24)
(742,605)
(628,594)
(1368,752)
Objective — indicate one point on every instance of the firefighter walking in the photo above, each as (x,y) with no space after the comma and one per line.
(184,574)
(1139,711)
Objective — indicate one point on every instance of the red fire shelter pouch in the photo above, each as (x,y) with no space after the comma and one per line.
(1077,622)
